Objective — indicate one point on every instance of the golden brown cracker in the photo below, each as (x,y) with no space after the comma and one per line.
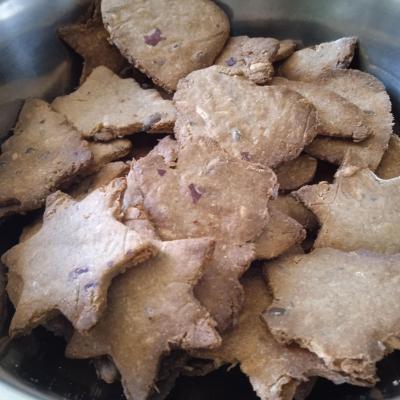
(86,246)
(169,40)
(151,311)
(389,166)
(249,57)
(44,154)
(369,94)
(337,116)
(261,124)
(296,173)
(274,370)
(357,211)
(106,107)
(309,63)
(344,307)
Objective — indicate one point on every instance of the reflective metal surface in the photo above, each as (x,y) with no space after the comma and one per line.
(34,62)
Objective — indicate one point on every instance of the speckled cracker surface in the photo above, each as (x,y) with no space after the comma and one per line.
(357,211)
(296,173)
(152,310)
(274,370)
(344,307)
(281,233)
(337,116)
(389,166)
(261,124)
(90,40)
(166,40)
(188,192)
(309,63)
(85,248)
(369,94)
(106,107)
(43,154)
(249,57)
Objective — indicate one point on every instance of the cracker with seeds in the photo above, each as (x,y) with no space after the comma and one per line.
(166,40)
(249,57)
(344,307)
(106,107)
(86,247)
(369,94)
(261,124)
(309,63)
(152,310)
(44,154)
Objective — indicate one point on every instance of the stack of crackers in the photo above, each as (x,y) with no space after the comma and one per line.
(134,258)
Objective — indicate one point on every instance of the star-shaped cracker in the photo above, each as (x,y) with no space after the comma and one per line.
(166,40)
(198,190)
(344,307)
(282,233)
(106,107)
(357,211)
(274,370)
(309,63)
(67,266)
(152,310)
(90,40)
(261,124)
(390,163)
(44,154)
(250,57)
(296,173)
(337,116)
(369,95)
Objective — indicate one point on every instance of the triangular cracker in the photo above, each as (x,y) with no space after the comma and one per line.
(151,311)
(357,211)
(369,94)
(309,63)
(166,40)
(390,163)
(261,124)
(67,266)
(337,116)
(296,173)
(344,307)
(44,154)
(274,370)
(106,107)
(249,57)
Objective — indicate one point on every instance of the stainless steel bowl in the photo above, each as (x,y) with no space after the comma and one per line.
(35,63)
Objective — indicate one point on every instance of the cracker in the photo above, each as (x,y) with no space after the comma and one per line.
(357,211)
(249,57)
(43,154)
(261,124)
(85,248)
(389,166)
(286,48)
(289,206)
(151,310)
(90,40)
(166,40)
(189,194)
(274,370)
(105,153)
(309,63)
(281,233)
(296,173)
(337,116)
(344,307)
(106,107)
(369,94)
